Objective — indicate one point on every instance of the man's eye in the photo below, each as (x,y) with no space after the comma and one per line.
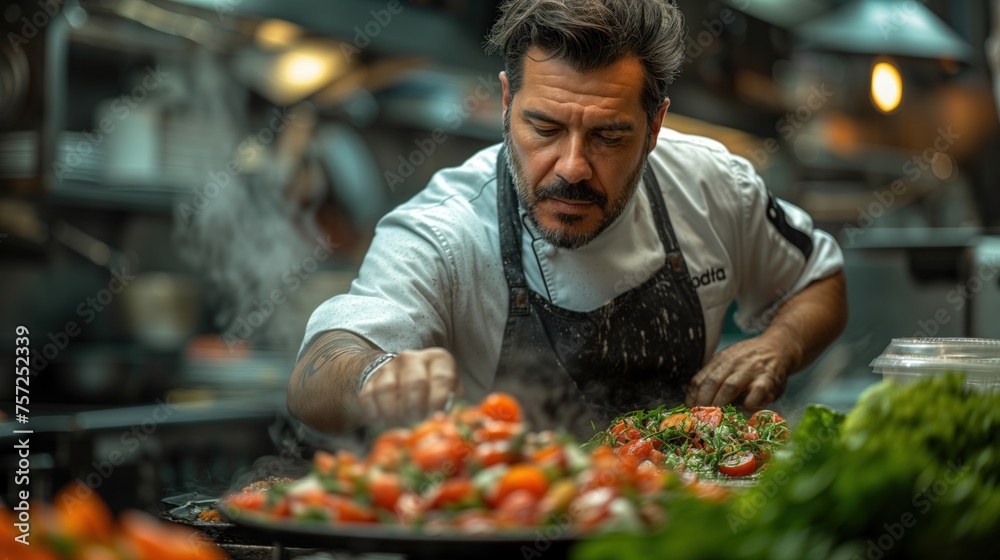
(545,131)
(607,140)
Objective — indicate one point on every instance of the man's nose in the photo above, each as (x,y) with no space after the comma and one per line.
(573,166)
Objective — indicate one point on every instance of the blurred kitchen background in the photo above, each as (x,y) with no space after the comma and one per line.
(184,181)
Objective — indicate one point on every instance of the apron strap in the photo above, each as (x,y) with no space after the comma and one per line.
(510,238)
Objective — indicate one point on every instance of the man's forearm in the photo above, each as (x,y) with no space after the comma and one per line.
(811,320)
(323,390)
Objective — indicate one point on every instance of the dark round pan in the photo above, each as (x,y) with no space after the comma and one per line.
(550,543)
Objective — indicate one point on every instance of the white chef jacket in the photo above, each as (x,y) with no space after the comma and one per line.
(433,275)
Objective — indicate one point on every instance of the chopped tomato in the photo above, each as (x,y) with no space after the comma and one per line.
(491,453)
(437,425)
(82,513)
(679,421)
(523,477)
(765,417)
(150,538)
(494,430)
(738,464)
(634,452)
(324,462)
(619,428)
(656,457)
(440,453)
(592,507)
(349,511)
(409,507)
(454,491)
(708,415)
(501,406)
(249,501)
(385,489)
(552,455)
(710,492)
(751,434)
(518,508)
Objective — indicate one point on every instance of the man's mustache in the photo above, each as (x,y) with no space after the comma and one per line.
(573,192)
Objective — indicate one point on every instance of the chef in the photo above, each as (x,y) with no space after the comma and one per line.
(587,262)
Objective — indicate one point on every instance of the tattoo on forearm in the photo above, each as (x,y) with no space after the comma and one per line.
(347,350)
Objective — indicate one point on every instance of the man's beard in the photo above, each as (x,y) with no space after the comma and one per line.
(560,188)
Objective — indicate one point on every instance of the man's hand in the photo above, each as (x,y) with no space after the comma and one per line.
(801,329)
(409,387)
(758,367)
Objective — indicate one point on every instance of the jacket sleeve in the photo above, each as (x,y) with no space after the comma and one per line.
(780,251)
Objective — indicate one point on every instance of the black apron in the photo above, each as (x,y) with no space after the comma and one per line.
(579,370)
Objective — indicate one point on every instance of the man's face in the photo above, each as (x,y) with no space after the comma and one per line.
(577,144)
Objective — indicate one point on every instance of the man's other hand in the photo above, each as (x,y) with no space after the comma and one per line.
(409,387)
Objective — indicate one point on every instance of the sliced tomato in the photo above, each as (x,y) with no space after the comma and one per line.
(708,415)
(349,511)
(529,478)
(592,507)
(518,509)
(454,491)
(765,417)
(634,452)
(491,453)
(385,489)
(324,462)
(710,492)
(437,425)
(495,430)
(83,514)
(738,464)
(656,457)
(751,434)
(619,428)
(149,538)
(247,501)
(681,421)
(501,406)
(385,456)
(551,455)
(440,453)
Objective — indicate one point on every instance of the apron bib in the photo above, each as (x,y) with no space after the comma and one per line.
(579,370)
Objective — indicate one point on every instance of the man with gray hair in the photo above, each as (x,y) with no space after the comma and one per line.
(587,262)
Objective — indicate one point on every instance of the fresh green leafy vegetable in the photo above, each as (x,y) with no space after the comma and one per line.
(912,472)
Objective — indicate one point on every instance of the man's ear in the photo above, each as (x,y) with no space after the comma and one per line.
(505,87)
(654,130)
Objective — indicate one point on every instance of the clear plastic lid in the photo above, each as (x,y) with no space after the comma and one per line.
(938,355)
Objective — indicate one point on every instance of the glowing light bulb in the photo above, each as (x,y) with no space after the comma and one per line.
(887,87)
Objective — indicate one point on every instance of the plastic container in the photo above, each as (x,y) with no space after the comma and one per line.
(911,359)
